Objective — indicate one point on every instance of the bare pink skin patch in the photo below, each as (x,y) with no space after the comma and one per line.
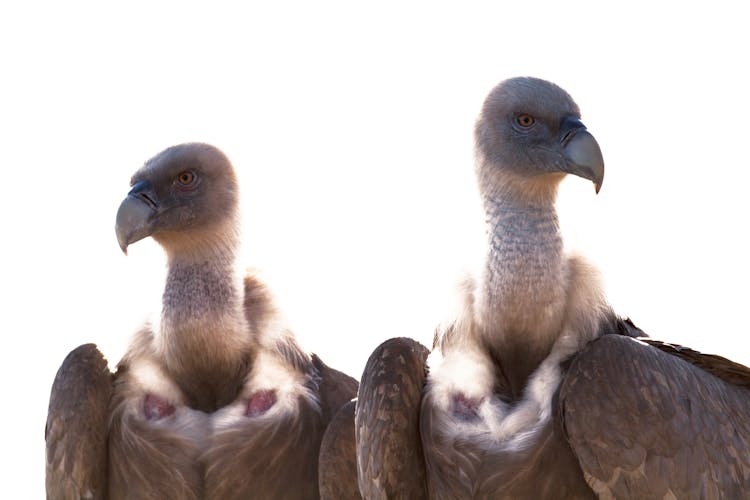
(156,408)
(466,408)
(260,402)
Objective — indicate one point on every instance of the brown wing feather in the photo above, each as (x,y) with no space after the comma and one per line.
(390,460)
(337,469)
(337,474)
(335,388)
(76,431)
(723,368)
(645,423)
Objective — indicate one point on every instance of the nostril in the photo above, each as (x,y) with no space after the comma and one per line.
(147,200)
(142,190)
(568,135)
(569,127)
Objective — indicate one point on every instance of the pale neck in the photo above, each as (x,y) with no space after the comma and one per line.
(204,335)
(521,225)
(524,254)
(201,287)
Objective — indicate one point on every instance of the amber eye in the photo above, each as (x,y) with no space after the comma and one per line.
(186,178)
(525,120)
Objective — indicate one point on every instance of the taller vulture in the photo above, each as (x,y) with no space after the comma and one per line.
(536,389)
(217,400)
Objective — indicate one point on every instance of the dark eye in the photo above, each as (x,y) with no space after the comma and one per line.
(525,120)
(186,178)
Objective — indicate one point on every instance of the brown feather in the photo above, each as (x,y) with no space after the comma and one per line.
(150,461)
(76,430)
(646,422)
(718,366)
(336,388)
(269,458)
(390,459)
(337,472)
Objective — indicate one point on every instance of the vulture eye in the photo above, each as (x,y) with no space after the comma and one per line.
(525,120)
(186,179)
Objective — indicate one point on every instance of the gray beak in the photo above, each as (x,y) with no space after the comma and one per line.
(582,151)
(135,216)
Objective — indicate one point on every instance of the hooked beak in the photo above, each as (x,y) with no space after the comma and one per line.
(582,151)
(135,215)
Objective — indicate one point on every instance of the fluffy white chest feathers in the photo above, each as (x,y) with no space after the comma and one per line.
(272,390)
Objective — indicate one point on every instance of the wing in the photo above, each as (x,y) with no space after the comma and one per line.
(337,464)
(76,430)
(645,423)
(335,388)
(390,460)
(718,366)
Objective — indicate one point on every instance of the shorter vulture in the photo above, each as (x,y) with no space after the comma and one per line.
(535,388)
(216,400)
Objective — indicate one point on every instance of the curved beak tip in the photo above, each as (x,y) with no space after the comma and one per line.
(124,248)
(586,158)
(133,222)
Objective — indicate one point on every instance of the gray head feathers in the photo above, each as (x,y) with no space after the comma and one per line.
(528,136)
(185,197)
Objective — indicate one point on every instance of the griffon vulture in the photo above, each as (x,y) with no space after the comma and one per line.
(535,388)
(217,400)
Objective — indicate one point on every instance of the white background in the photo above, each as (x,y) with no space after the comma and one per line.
(351,128)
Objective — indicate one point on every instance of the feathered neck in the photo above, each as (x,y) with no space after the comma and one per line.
(520,298)
(204,287)
(204,338)
(524,258)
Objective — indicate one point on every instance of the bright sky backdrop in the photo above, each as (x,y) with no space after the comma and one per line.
(350,124)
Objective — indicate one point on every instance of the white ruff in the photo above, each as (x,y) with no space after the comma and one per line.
(268,374)
(499,424)
(149,378)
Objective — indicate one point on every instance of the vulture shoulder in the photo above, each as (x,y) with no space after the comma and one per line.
(390,459)
(334,388)
(334,392)
(258,302)
(651,420)
(76,430)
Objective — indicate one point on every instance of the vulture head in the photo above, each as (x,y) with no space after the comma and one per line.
(527,137)
(185,197)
